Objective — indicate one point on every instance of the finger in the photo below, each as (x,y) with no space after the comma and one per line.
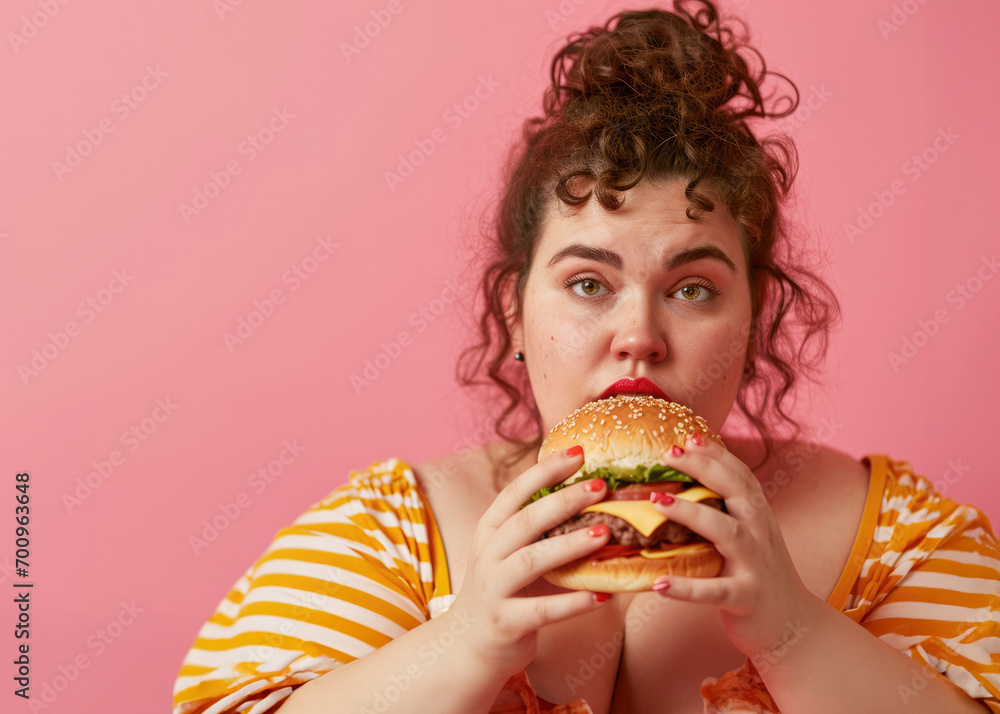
(714,468)
(553,470)
(731,537)
(528,524)
(719,591)
(697,444)
(532,613)
(531,561)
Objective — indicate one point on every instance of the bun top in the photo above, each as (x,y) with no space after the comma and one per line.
(624,432)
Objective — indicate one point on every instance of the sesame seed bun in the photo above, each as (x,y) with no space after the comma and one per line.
(634,573)
(624,432)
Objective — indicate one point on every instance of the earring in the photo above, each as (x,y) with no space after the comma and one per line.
(519,356)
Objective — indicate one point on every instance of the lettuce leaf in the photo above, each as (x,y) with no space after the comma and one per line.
(620,477)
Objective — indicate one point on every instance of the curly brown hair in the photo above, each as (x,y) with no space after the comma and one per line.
(657,95)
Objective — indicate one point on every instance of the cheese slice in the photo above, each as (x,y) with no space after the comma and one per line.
(642,515)
(670,552)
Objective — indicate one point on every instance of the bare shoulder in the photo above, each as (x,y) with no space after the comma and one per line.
(810,477)
(452,470)
(463,477)
(802,467)
(815,465)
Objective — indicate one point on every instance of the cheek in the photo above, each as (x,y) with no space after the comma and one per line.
(715,370)
(726,349)
(551,358)
(557,340)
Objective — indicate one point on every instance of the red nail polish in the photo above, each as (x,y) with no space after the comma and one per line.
(601,597)
(574,450)
(598,530)
(663,498)
(594,485)
(662,586)
(698,439)
(676,450)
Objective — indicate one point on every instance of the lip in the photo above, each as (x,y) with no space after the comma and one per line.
(631,385)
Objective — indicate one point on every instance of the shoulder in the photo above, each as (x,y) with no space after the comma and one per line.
(380,478)
(459,476)
(386,490)
(469,479)
(807,480)
(803,465)
(816,466)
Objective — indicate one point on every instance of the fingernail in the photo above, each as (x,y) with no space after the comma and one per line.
(594,485)
(676,450)
(662,498)
(598,530)
(574,450)
(661,585)
(601,597)
(698,439)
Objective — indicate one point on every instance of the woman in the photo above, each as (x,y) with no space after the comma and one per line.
(639,236)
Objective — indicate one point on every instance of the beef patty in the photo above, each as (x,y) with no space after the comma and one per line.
(624,534)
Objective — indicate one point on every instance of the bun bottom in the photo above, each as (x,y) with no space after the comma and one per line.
(634,573)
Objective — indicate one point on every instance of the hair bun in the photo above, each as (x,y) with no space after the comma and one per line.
(683,66)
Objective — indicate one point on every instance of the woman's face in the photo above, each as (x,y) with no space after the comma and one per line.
(639,292)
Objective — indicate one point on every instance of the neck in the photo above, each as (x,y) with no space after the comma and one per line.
(504,468)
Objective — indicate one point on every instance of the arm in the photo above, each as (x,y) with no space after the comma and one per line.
(810,672)
(812,658)
(462,659)
(335,609)
(427,664)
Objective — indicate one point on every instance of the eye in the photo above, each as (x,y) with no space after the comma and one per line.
(697,292)
(589,287)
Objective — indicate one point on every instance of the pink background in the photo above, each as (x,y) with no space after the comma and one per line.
(213,80)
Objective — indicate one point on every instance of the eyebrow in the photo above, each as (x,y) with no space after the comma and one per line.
(608,257)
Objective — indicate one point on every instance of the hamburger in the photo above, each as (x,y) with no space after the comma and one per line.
(623,438)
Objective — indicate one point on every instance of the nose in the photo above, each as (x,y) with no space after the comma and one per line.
(637,333)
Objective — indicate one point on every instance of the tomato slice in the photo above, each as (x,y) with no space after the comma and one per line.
(641,491)
(613,551)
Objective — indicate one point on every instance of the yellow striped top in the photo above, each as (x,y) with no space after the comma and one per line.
(366,564)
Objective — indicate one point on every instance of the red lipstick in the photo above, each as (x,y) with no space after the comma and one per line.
(629,385)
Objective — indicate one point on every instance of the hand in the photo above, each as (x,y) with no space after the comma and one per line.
(761,598)
(505,558)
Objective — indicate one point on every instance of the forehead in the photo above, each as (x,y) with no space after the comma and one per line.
(650,215)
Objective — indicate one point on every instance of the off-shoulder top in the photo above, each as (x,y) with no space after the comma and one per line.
(367,563)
